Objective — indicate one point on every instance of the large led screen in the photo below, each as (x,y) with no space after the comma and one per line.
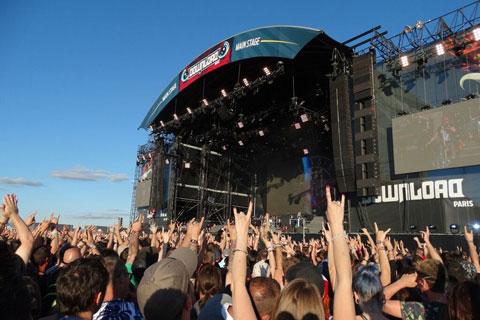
(445,137)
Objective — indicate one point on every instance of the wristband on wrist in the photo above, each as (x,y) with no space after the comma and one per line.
(240,250)
(342,235)
(269,249)
(379,242)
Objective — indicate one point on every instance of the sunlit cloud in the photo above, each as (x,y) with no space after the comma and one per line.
(84,174)
(20,182)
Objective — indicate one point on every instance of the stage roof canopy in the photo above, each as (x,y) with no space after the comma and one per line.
(279,42)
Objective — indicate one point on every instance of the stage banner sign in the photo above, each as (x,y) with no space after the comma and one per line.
(441,200)
(281,42)
(165,97)
(213,58)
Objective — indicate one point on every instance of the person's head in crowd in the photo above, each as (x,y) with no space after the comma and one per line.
(307,271)
(265,293)
(144,259)
(123,252)
(209,283)
(15,300)
(40,258)
(81,287)
(165,291)
(118,281)
(263,255)
(109,253)
(300,299)
(368,290)
(35,297)
(288,263)
(432,276)
(70,254)
(209,257)
(464,301)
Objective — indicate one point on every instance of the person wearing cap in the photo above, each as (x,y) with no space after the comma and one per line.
(165,291)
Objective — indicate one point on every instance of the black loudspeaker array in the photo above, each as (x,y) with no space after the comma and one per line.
(341,121)
(158,168)
(365,127)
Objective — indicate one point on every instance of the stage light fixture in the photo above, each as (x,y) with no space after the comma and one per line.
(454,228)
(267,71)
(224,93)
(167,161)
(240,143)
(175,116)
(189,110)
(297,125)
(187,165)
(475,226)
(205,102)
(476,34)
(305,151)
(304,117)
(240,124)
(245,82)
(412,227)
(138,160)
(440,49)
(261,133)
(162,123)
(404,61)
(144,159)
(151,128)
(432,227)
(224,148)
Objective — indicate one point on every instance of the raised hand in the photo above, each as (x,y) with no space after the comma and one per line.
(426,235)
(379,234)
(153,229)
(335,210)
(365,231)
(31,219)
(242,223)
(9,206)
(468,235)
(409,280)
(137,225)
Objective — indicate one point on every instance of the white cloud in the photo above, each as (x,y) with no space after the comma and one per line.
(99,215)
(84,174)
(18,182)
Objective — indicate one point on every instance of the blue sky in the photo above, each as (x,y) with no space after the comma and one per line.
(78,77)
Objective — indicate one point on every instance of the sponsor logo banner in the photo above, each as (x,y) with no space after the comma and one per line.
(210,60)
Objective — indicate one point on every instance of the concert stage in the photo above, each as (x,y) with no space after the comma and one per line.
(275,114)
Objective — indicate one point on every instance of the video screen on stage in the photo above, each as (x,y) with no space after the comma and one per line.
(445,137)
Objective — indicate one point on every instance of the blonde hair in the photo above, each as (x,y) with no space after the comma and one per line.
(299,299)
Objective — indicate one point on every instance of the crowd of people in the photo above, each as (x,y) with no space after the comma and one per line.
(237,272)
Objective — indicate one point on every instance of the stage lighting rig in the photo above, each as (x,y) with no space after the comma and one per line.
(439,49)
(454,229)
